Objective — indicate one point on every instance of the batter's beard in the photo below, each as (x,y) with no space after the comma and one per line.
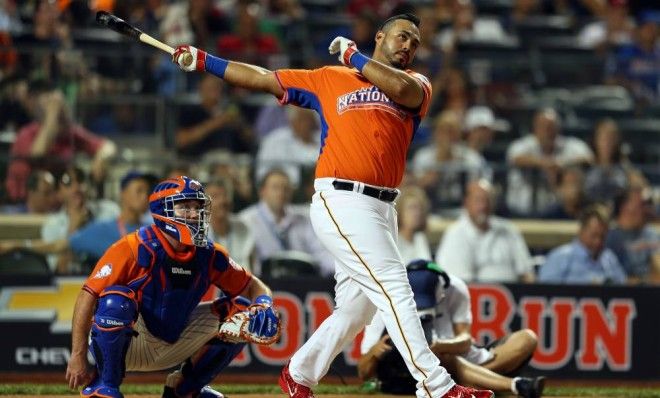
(396,64)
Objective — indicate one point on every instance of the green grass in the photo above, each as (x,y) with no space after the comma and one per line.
(61,389)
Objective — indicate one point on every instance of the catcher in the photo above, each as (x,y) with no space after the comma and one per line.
(142,303)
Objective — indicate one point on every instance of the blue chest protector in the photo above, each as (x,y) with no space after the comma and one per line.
(173,289)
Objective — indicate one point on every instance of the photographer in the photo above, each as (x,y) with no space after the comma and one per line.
(443,304)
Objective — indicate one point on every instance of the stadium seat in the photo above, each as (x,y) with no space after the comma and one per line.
(288,264)
(534,28)
(23,262)
(564,63)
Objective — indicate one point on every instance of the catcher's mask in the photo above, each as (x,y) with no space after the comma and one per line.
(424,277)
(188,225)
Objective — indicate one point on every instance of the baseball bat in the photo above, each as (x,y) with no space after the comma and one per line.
(117,24)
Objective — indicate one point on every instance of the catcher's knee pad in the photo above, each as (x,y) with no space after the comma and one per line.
(205,365)
(111,335)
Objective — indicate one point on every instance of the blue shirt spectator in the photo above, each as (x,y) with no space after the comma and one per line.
(586,260)
(571,263)
(96,237)
(637,65)
(632,239)
(92,240)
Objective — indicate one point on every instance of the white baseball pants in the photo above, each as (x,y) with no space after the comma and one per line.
(361,232)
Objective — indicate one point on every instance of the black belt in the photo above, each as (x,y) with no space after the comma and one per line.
(386,195)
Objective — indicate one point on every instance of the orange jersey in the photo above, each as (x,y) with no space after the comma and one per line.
(364,135)
(168,285)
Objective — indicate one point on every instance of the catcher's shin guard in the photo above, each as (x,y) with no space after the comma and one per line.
(203,367)
(111,334)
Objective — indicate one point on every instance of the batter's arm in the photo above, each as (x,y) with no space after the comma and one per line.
(398,85)
(78,372)
(251,77)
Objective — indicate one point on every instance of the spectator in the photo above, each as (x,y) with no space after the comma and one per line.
(247,42)
(177,168)
(361,30)
(237,170)
(294,148)
(413,208)
(148,15)
(632,239)
(614,29)
(277,227)
(90,241)
(444,168)
(467,25)
(212,124)
(77,210)
(41,197)
(95,238)
(522,10)
(536,162)
(443,303)
(52,141)
(479,126)
(637,65)
(480,247)
(586,260)
(270,117)
(451,92)
(225,228)
(194,22)
(428,60)
(570,196)
(14,102)
(610,174)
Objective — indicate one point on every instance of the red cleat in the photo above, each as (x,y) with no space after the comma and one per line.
(291,388)
(459,391)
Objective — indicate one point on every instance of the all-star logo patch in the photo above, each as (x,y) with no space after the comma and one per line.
(368,98)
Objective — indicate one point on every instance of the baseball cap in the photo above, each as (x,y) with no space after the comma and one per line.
(424,284)
(478,116)
(134,175)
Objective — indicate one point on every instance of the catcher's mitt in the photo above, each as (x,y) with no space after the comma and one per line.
(258,324)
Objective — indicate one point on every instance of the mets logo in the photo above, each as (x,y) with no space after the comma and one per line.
(105,271)
(368,98)
(195,185)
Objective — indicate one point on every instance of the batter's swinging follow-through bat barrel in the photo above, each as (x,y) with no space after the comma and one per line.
(117,24)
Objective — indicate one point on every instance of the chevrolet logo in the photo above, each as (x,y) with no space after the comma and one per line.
(53,303)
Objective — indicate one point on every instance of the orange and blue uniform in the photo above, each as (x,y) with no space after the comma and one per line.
(168,285)
(365,135)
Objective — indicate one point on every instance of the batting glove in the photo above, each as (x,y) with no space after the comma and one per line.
(198,62)
(346,49)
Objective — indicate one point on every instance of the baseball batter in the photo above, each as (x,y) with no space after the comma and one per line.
(369,110)
(142,303)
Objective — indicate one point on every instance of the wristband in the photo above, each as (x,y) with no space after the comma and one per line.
(216,65)
(359,60)
(264,299)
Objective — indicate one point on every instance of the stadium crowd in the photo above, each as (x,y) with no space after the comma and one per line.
(542,109)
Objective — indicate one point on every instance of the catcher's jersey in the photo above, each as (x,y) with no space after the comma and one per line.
(364,134)
(169,285)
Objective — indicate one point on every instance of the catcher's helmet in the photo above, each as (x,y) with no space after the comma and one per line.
(187,229)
